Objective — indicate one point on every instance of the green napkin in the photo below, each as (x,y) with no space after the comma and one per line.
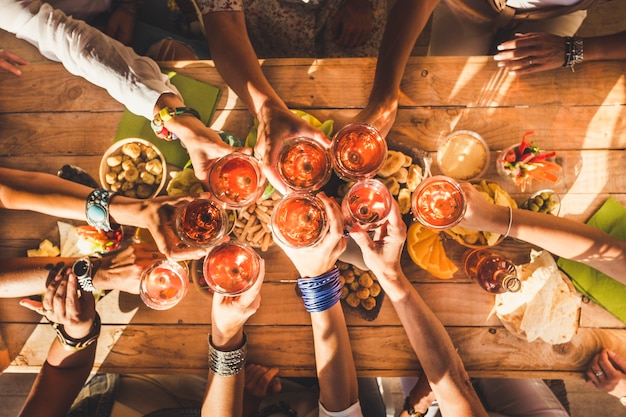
(602,289)
(201,96)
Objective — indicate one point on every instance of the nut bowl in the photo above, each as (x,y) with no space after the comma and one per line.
(134,168)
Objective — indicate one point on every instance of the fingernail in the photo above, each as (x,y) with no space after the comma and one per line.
(512,73)
(500,64)
(500,47)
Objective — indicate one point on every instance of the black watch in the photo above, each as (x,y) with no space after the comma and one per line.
(69,343)
(83,269)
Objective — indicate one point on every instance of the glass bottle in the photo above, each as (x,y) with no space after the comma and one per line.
(492,271)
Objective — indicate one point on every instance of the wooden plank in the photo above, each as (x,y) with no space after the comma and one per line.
(149,349)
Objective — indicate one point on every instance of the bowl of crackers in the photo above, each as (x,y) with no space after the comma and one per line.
(133,168)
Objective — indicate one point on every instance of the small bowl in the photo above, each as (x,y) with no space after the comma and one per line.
(134,168)
(463,155)
(543,201)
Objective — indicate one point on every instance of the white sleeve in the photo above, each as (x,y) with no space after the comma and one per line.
(133,80)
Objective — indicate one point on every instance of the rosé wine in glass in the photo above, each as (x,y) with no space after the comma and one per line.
(231,268)
(163,284)
(201,223)
(493,272)
(299,220)
(358,151)
(304,165)
(367,204)
(439,202)
(236,181)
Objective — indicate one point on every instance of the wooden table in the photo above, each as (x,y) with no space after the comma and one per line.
(50,118)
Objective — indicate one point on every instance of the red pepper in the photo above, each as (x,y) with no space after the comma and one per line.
(543,156)
(524,144)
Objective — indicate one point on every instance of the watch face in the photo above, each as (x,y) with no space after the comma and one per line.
(80,268)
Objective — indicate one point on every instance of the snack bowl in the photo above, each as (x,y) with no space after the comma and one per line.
(494,193)
(543,201)
(134,168)
(463,155)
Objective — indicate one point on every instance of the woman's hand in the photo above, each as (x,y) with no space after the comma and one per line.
(352,25)
(482,215)
(122,269)
(420,397)
(531,52)
(262,381)
(62,304)
(276,126)
(382,252)
(607,372)
(10,61)
(229,314)
(315,260)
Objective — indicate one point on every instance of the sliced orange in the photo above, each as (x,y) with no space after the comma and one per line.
(426,250)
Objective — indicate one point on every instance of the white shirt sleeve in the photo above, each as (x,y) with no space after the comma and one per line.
(133,80)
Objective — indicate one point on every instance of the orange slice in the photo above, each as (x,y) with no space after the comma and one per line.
(426,250)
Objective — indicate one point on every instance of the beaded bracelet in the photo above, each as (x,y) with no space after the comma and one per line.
(228,363)
(322,292)
(165,114)
(573,52)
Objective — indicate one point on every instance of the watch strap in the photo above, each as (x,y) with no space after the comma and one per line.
(70,343)
(97,209)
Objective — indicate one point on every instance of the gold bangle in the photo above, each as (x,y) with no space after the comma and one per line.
(508,229)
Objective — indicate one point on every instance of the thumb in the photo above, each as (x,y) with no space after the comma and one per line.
(620,363)
(31,304)
(362,238)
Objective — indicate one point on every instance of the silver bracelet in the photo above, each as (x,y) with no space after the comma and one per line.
(573,52)
(228,363)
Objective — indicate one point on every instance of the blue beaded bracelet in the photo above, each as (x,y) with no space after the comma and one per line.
(322,292)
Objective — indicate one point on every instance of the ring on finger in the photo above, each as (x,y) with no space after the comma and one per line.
(46,310)
(598,373)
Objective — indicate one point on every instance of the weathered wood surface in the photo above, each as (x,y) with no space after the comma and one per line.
(54,118)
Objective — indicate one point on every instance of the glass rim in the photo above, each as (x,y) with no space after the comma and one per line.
(261,180)
(420,188)
(328,163)
(339,167)
(379,187)
(317,202)
(178,269)
(254,257)
(223,230)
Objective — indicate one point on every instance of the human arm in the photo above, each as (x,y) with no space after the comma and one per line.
(48,194)
(560,236)
(435,351)
(10,61)
(237,63)
(120,270)
(333,354)
(261,381)
(224,394)
(407,19)
(607,372)
(65,371)
(534,52)
(121,23)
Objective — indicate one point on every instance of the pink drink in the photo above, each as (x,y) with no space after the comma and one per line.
(304,164)
(201,223)
(231,268)
(367,203)
(236,180)
(358,152)
(299,220)
(163,285)
(439,202)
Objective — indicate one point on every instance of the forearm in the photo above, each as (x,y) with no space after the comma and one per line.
(236,60)
(609,47)
(405,23)
(59,381)
(336,371)
(224,394)
(134,81)
(23,277)
(434,349)
(564,238)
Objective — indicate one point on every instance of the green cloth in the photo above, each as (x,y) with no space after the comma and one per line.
(201,96)
(600,288)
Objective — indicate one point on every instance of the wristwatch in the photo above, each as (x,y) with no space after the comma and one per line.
(97,209)
(69,343)
(83,269)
